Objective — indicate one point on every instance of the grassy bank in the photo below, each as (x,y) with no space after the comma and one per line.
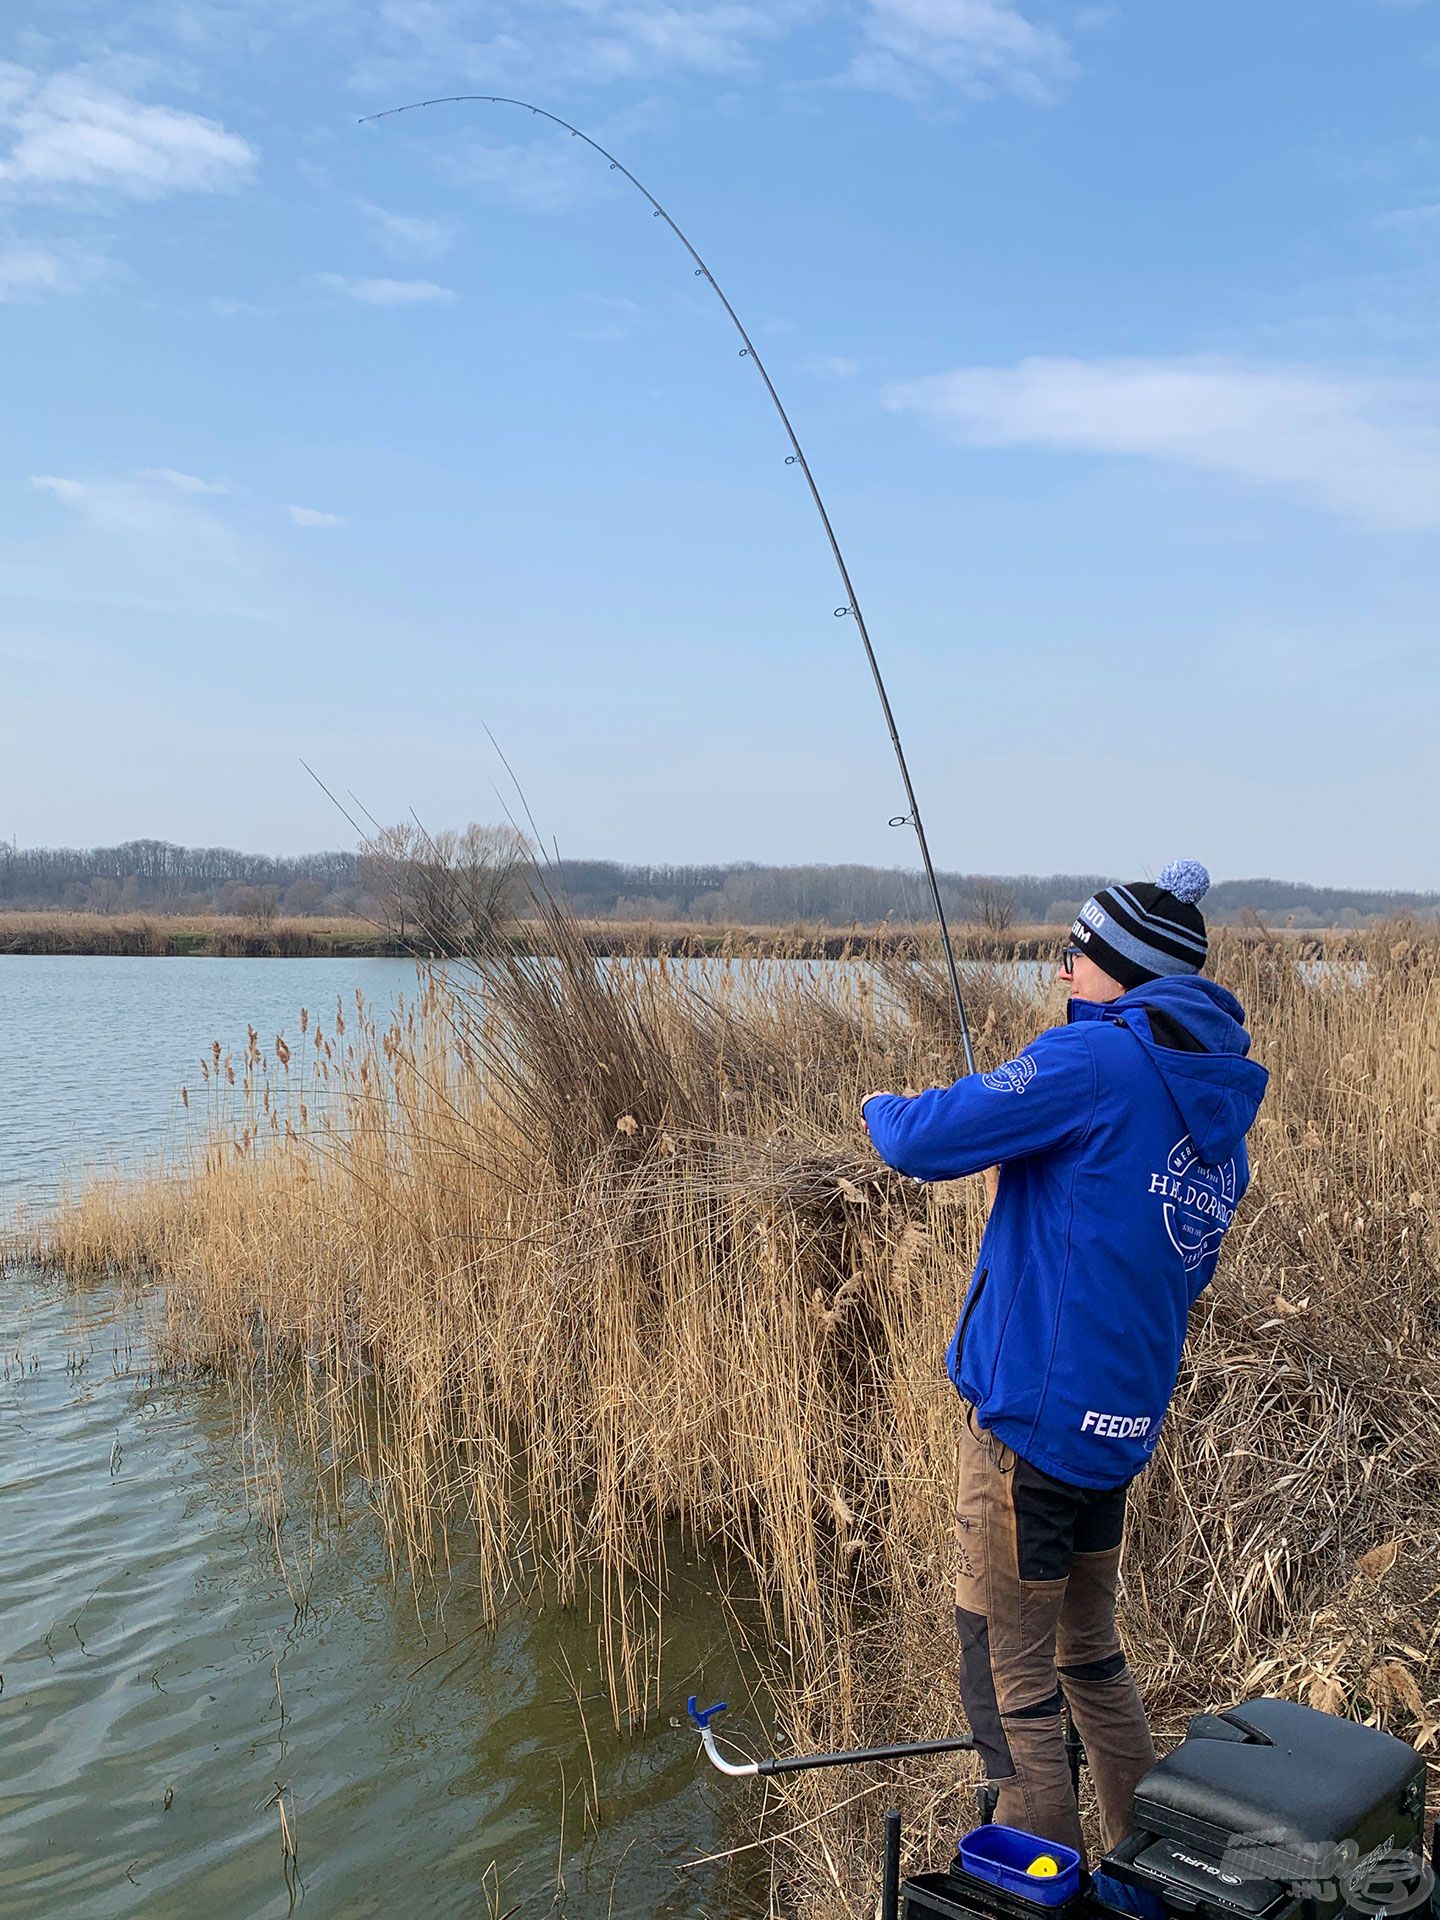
(170,936)
(618,1257)
(226,936)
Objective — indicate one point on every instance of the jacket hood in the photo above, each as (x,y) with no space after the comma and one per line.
(1193,1031)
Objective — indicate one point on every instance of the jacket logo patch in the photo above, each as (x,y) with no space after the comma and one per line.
(1013,1077)
(1199,1201)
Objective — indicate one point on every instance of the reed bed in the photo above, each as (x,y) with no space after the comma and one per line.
(597,1257)
(170,936)
(159,934)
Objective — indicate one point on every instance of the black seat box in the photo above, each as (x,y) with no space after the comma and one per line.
(1274,1791)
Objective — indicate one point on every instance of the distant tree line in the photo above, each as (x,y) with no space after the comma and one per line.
(155,876)
(756,895)
(413,881)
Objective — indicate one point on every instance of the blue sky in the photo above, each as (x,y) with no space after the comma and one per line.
(1110,331)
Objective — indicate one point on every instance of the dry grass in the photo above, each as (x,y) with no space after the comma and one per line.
(232,936)
(164,935)
(620,1261)
(156,934)
(66,931)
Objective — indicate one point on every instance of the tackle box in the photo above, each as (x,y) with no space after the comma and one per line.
(1272,1806)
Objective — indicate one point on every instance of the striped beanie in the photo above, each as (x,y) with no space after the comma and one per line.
(1138,932)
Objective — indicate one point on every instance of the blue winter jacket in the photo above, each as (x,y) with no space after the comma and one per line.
(1121,1144)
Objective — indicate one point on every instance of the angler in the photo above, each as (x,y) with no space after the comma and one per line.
(1121,1146)
(1120,1140)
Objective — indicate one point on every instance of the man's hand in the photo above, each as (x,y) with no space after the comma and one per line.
(871,1096)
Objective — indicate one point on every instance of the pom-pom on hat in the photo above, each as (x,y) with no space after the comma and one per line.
(1147,928)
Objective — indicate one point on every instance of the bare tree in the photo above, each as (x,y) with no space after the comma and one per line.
(240,899)
(491,863)
(385,861)
(445,889)
(996,906)
(304,896)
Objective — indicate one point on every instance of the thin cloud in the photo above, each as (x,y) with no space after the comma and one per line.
(387,293)
(144,505)
(1424,217)
(838,366)
(576,41)
(979,47)
(1362,449)
(546,177)
(224,309)
(696,39)
(313,517)
(70,491)
(410,235)
(29,273)
(911,48)
(614,317)
(182,482)
(70,133)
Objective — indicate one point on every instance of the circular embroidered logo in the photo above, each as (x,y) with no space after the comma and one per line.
(1013,1077)
(1199,1201)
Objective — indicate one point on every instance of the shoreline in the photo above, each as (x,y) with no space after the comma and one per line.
(175,936)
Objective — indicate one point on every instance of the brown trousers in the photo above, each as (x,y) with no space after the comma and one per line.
(1038,1562)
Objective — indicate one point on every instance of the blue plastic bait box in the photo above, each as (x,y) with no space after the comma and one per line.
(1001,1855)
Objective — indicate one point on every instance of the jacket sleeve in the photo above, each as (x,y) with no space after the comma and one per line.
(1042,1099)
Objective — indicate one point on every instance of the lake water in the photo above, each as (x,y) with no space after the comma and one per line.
(94,1051)
(163,1698)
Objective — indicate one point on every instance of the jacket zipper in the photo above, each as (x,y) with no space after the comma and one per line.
(972,1300)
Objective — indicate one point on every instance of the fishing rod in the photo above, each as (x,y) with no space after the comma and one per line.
(796,458)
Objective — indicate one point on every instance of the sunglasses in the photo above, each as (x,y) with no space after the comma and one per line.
(1068,957)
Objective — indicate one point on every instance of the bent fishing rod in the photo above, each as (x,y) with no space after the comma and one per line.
(796,458)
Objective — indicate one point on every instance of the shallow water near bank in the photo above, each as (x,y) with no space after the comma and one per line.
(190,1649)
(94,1051)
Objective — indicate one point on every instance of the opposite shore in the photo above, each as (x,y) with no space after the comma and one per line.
(223,936)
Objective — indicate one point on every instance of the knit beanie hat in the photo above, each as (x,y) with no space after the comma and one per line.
(1140,931)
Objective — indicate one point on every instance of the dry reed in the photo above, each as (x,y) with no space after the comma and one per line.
(157,933)
(607,1251)
(168,936)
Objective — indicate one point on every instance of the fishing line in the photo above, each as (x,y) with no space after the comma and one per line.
(795,458)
